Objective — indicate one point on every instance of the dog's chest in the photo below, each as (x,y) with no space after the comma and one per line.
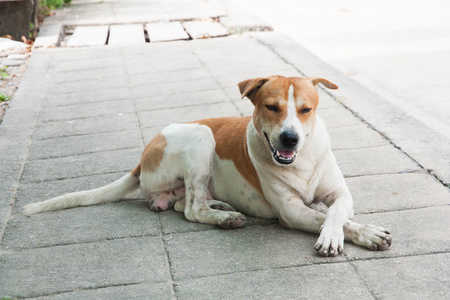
(229,185)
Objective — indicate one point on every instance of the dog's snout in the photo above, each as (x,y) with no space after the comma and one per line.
(289,139)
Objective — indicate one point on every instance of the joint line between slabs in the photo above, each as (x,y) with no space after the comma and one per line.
(130,97)
(170,276)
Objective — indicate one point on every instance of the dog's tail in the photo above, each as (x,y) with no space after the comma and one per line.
(111,192)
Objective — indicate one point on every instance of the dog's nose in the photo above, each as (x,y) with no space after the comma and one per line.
(289,139)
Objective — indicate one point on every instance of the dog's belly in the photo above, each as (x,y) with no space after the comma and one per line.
(228,185)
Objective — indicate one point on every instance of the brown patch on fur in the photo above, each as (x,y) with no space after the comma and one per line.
(274,92)
(231,143)
(137,171)
(305,90)
(153,154)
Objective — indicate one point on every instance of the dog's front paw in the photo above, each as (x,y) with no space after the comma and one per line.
(233,220)
(330,241)
(372,237)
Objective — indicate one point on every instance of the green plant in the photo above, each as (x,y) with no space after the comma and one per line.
(3,98)
(52,4)
(3,74)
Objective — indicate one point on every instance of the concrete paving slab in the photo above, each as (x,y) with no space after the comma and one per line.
(375,160)
(336,117)
(154,90)
(137,291)
(81,225)
(153,68)
(85,36)
(67,268)
(410,235)
(170,76)
(126,34)
(181,100)
(95,75)
(85,64)
(413,277)
(85,144)
(247,249)
(81,165)
(358,136)
(390,192)
(149,133)
(304,282)
(49,35)
(186,114)
(92,84)
(166,31)
(101,124)
(246,108)
(87,110)
(81,97)
(82,55)
(204,29)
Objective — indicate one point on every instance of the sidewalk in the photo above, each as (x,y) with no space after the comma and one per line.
(81,118)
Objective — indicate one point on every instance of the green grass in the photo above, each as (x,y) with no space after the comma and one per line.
(4,98)
(3,74)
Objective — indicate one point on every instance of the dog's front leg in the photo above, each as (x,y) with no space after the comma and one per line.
(293,213)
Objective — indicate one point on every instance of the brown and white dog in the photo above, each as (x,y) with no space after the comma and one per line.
(275,164)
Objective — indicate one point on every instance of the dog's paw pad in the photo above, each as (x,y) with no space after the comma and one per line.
(330,242)
(374,238)
(234,221)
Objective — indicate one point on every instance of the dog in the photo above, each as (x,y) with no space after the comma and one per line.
(274,164)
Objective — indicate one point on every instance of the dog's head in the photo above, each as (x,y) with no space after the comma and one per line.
(284,111)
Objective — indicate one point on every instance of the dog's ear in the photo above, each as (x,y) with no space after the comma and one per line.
(250,87)
(323,81)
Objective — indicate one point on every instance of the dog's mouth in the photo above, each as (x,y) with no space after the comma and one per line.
(284,157)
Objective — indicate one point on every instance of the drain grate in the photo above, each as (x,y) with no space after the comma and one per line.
(122,34)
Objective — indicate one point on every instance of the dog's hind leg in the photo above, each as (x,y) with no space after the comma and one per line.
(166,200)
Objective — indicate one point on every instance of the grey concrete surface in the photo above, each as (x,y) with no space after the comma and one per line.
(81,118)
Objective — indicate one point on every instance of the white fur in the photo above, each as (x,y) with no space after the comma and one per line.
(112,192)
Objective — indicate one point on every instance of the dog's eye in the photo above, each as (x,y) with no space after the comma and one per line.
(272,108)
(305,110)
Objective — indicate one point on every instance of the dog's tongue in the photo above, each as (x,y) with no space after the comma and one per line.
(286,153)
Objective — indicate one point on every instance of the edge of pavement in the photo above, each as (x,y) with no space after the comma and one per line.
(426,147)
